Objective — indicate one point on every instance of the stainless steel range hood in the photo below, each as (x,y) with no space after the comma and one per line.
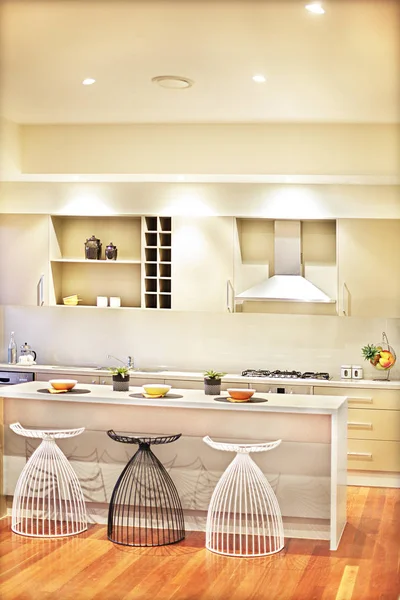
(287,285)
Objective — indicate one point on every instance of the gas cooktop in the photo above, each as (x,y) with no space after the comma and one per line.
(284,374)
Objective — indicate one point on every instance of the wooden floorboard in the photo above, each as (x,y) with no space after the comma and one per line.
(89,567)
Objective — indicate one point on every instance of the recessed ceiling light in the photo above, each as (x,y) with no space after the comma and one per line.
(259,78)
(88,81)
(315,8)
(173,82)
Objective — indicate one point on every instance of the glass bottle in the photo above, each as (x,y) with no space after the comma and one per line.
(12,351)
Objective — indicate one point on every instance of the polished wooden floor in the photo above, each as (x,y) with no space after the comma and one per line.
(366,566)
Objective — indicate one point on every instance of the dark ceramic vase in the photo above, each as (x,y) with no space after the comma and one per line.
(93,248)
(111,252)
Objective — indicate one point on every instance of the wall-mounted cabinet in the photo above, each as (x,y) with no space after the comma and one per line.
(72,274)
(157,261)
(369,267)
(24,258)
(203,263)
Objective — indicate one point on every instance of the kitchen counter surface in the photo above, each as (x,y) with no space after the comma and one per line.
(103,394)
(161,375)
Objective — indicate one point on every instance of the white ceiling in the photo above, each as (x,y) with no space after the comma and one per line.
(339,67)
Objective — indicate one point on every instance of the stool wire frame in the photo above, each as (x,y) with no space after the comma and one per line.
(145,509)
(244,517)
(48,499)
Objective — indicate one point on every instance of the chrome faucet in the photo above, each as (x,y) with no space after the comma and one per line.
(128,363)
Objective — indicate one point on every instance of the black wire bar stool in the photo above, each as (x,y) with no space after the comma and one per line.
(145,509)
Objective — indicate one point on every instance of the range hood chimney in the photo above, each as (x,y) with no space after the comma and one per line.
(287,285)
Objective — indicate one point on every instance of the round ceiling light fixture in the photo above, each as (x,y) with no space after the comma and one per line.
(259,78)
(173,82)
(316,8)
(88,81)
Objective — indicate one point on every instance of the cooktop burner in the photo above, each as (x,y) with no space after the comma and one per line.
(284,374)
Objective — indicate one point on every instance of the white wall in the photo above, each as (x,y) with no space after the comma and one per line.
(370,149)
(9,150)
(185,340)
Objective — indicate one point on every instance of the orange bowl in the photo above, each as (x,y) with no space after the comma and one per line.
(63,384)
(242,394)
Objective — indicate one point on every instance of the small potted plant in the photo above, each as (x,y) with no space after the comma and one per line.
(120,378)
(212,382)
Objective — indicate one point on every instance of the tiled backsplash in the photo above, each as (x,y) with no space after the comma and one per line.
(196,340)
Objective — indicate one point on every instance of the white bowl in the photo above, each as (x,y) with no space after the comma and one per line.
(156,389)
(63,384)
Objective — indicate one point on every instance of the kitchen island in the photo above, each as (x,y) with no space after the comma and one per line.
(307,471)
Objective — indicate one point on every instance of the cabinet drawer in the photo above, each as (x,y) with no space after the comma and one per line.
(85,378)
(105,380)
(373,455)
(183,384)
(79,378)
(364,397)
(133,381)
(364,424)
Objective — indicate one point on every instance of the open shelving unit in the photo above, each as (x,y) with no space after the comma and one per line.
(72,274)
(156,248)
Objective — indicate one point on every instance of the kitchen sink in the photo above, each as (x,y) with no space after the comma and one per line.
(133,370)
(148,370)
(76,368)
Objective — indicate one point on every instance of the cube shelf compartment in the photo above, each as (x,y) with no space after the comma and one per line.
(71,273)
(157,242)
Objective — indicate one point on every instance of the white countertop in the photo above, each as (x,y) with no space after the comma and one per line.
(103,394)
(158,375)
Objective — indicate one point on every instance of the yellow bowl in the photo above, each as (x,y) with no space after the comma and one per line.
(156,389)
(63,384)
(240,395)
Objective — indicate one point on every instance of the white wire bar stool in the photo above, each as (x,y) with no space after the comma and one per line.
(244,518)
(48,499)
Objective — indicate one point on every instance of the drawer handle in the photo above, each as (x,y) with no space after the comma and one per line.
(359,424)
(360,454)
(357,400)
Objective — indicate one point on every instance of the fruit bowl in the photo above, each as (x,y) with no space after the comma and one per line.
(240,394)
(63,384)
(381,356)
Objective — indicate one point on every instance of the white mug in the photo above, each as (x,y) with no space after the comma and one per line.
(102,301)
(25,360)
(115,301)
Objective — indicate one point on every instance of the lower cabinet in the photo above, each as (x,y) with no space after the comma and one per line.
(107,380)
(373,455)
(373,428)
(92,379)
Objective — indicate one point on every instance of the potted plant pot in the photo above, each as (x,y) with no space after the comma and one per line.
(120,383)
(212,387)
(212,383)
